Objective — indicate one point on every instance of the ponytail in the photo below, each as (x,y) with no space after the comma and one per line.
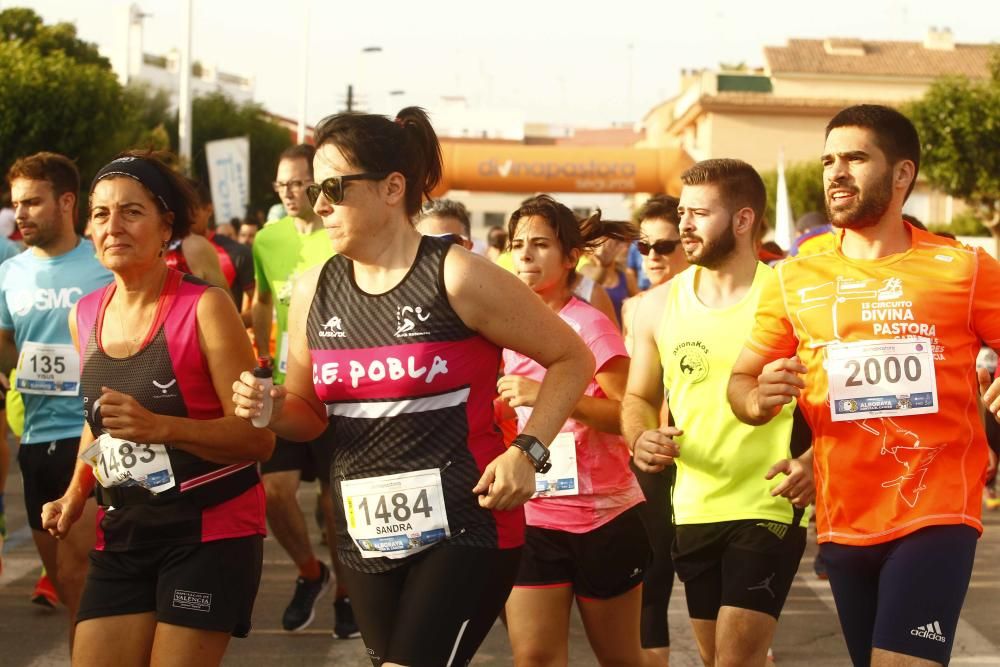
(374,143)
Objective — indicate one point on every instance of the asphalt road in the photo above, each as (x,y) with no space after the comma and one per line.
(808,634)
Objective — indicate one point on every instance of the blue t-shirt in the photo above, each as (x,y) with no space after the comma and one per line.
(36,294)
(8,249)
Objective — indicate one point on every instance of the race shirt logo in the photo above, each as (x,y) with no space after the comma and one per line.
(334,328)
(21,302)
(405,324)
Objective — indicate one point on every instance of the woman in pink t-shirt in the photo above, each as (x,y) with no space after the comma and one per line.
(584,537)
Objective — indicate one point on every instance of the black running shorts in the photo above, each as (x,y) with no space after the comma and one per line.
(207,586)
(749,564)
(46,470)
(606,562)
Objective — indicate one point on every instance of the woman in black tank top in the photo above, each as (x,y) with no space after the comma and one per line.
(180,528)
(381,340)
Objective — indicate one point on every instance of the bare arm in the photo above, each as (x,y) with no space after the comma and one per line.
(505,311)
(246,309)
(199,253)
(759,386)
(600,300)
(227,439)
(261,316)
(600,413)
(59,515)
(8,351)
(297,413)
(652,446)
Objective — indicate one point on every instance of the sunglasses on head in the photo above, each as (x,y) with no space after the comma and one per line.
(662,247)
(333,187)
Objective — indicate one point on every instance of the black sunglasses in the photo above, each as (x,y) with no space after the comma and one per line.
(333,187)
(662,247)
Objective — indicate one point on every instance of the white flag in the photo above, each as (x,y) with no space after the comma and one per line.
(784,226)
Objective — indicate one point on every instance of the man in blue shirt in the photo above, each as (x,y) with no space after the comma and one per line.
(37,290)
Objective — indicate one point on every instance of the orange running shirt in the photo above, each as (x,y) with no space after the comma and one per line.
(880,478)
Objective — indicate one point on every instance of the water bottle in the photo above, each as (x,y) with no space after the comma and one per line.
(264,376)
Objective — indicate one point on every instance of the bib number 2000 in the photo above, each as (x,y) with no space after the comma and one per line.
(890,368)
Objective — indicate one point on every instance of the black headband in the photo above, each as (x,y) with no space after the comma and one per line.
(143,171)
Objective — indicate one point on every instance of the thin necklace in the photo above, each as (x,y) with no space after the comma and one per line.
(137,339)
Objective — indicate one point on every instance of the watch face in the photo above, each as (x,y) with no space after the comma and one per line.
(538,451)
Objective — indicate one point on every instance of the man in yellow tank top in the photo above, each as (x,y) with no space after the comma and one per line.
(739,536)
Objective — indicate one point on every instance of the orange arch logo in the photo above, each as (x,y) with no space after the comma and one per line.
(517,168)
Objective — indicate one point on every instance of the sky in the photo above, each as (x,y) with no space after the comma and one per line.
(569,63)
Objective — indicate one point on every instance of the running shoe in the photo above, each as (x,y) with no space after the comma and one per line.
(770,656)
(991,499)
(44,594)
(302,609)
(344,625)
(819,567)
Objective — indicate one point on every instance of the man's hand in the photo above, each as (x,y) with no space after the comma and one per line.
(798,486)
(989,389)
(518,391)
(779,383)
(507,482)
(654,450)
(123,417)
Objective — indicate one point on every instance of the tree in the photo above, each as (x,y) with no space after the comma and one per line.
(25,26)
(50,101)
(216,116)
(959,124)
(805,189)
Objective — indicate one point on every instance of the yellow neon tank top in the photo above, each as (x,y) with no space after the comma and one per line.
(720,471)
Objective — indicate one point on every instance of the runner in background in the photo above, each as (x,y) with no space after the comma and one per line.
(248,232)
(196,255)
(8,249)
(900,457)
(179,550)
(398,340)
(738,541)
(446,218)
(37,290)
(235,259)
(585,539)
(283,251)
(659,246)
(604,269)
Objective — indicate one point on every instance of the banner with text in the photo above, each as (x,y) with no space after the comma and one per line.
(229,177)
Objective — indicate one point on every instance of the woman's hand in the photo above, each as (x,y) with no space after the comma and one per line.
(123,417)
(248,397)
(518,391)
(59,515)
(508,481)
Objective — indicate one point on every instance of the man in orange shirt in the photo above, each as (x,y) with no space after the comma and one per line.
(877,339)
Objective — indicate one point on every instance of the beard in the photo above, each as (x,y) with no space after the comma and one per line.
(867,209)
(714,252)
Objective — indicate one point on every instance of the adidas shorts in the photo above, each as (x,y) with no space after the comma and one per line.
(749,564)
(905,595)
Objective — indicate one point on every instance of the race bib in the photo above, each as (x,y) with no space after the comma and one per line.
(395,516)
(884,378)
(52,370)
(118,462)
(562,479)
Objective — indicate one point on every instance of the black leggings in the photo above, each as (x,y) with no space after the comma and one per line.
(434,610)
(658,582)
